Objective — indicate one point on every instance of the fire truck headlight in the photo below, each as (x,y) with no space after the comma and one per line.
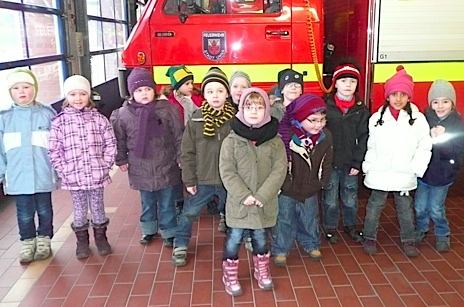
(141,58)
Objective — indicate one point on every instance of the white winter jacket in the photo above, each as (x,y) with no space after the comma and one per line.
(397,153)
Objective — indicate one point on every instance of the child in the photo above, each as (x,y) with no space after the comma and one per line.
(311,153)
(447,131)
(277,108)
(82,151)
(183,93)
(239,81)
(201,142)
(25,169)
(398,151)
(149,133)
(347,120)
(252,165)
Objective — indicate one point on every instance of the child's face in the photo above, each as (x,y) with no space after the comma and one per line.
(144,95)
(215,94)
(290,92)
(346,86)
(78,99)
(398,100)
(254,113)
(442,106)
(22,93)
(186,88)
(314,123)
(237,87)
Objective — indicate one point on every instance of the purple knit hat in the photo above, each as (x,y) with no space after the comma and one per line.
(305,105)
(139,77)
(267,112)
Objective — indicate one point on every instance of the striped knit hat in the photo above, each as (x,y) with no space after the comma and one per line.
(215,74)
(178,75)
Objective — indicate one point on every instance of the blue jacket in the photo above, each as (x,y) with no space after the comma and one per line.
(444,166)
(24,164)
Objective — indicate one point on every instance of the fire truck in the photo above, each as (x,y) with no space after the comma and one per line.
(262,37)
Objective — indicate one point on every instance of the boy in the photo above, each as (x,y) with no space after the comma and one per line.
(24,133)
(201,142)
(347,120)
(311,154)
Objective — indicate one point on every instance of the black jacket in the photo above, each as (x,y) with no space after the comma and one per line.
(349,133)
(444,165)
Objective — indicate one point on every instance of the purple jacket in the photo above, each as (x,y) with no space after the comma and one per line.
(82,148)
(162,170)
(285,129)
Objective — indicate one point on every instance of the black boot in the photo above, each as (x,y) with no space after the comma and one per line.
(82,235)
(99,231)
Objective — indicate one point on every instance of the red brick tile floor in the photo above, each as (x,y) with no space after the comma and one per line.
(136,275)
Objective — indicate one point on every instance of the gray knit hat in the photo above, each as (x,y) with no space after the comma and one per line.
(442,88)
(215,74)
(238,74)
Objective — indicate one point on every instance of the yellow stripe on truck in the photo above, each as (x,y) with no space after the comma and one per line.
(257,72)
(422,72)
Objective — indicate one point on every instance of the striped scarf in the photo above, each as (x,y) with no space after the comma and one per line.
(215,117)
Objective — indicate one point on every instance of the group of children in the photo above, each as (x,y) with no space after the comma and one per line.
(264,156)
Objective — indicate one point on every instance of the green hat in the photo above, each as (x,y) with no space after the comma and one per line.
(21,75)
(179,75)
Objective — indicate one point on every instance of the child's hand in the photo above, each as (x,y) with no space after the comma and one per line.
(124,167)
(192,190)
(250,201)
(440,130)
(353,172)
(433,132)
(259,204)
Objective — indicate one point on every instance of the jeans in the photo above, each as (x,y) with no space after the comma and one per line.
(430,204)
(404,213)
(233,241)
(296,220)
(163,201)
(192,209)
(340,180)
(26,206)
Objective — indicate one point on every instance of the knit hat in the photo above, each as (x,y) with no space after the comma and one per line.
(442,88)
(179,75)
(272,90)
(139,77)
(267,113)
(76,83)
(306,105)
(399,82)
(22,75)
(288,76)
(215,74)
(345,71)
(241,74)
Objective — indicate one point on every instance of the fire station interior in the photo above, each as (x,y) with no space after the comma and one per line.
(59,38)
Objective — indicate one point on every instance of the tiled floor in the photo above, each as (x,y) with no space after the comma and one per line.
(136,275)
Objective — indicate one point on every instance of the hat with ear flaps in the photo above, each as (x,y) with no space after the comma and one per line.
(400,82)
(22,75)
(178,75)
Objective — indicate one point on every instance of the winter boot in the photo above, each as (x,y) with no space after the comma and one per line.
(354,234)
(82,236)
(262,273)
(370,246)
(99,231)
(410,249)
(43,249)
(443,244)
(230,277)
(27,251)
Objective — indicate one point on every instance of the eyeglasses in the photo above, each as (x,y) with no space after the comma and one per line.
(314,121)
(256,108)
(293,84)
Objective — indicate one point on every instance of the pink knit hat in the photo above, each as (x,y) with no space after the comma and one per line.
(399,82)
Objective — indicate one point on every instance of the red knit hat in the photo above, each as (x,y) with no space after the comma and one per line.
(399,82)
(306,105)
(346,71)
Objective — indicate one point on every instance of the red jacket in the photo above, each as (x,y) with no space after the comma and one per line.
(196,98)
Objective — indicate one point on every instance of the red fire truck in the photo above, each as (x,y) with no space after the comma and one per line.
(262,37)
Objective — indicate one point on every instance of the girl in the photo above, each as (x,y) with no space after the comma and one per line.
(239,81)
(398,151)
(149,134)
(24,133)
(447,131)
(82,151)
(252,165)
(183,92)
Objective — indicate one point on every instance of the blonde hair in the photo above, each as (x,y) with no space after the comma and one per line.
(89,105)
(254,98)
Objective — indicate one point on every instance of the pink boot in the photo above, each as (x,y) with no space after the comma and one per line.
(262,274)
(230,277)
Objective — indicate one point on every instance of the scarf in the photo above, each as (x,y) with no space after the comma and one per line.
(188,105)
(395,113)
(344,105)
(257,135)
(307,140)
(150,126)
(215,117)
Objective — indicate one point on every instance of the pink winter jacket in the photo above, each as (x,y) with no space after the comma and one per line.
(82,148)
